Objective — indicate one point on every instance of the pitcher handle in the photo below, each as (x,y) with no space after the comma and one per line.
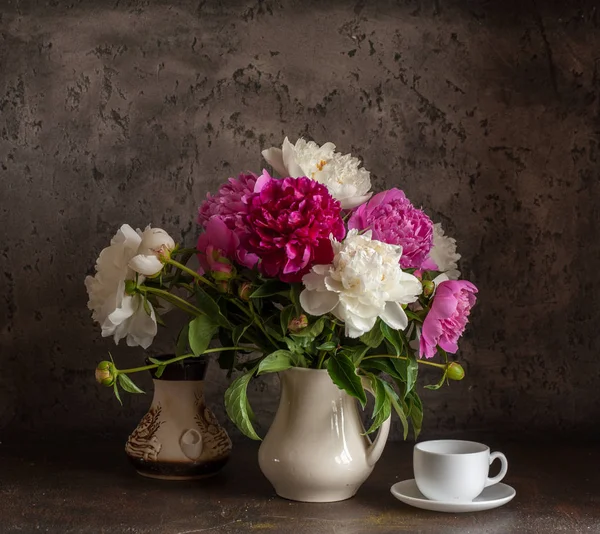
(375,450)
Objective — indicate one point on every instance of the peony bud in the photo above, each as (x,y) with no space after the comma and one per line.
(454,371)
(105,373)
(222,285)
(298,323)
(428,287)
(155,248)
(244,291)
(220,266)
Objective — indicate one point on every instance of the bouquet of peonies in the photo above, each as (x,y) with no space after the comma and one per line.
(309,270)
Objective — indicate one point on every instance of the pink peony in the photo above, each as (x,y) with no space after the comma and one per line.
(289,223)
(217,245)
(394,220)
(448,316)
(229,203)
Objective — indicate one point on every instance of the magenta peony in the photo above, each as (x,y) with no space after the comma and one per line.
(393,219)
(229,203)
(217,245)
(289,224)
(448,317)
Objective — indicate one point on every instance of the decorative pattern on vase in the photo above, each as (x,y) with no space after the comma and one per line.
(215,437)
(143,442)
(179,438)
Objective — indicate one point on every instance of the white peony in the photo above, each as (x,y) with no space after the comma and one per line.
(364,282)
(341,174)
(155,244)
(444,254)
(120,315)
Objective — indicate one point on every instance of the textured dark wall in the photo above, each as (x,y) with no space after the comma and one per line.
(486,113)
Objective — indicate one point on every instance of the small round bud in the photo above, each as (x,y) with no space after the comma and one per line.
(244,291)
(428,287)
(455,371)
(105,373)
(298,323)
(222,286)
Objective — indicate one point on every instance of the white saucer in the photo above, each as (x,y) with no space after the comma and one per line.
(491,497)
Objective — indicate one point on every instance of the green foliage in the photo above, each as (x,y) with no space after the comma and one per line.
(342,371)
(201,331)
(374,337)
(383,407)
(270,288)
(237,406)
(182,340)
(127,384)
(209,306)
(280,360)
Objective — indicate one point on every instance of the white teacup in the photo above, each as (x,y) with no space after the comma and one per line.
(453,470)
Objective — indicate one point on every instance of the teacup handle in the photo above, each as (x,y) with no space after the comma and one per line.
(490,481)
(375,450)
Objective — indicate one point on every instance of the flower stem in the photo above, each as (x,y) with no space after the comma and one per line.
(191,272)
(173,299)
(176,359)
(422,362)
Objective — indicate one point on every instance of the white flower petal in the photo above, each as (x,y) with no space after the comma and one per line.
(289,160)
(146,265)
(274,158)
(443,253)
(142,327)
(394,316)
(314,282)
(342,174)
(318,302)
(116,312)
(354,202)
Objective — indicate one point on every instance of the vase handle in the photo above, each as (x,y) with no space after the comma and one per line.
(375,450)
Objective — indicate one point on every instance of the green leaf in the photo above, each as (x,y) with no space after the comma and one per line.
(280,360)
(413,316)
(270,288)
(117,394)
(383,407)
(295,291)
(343,374)
(416,413)
(393,337)
(182,341)
(127,384)
(439,384)
(238,408)
(286,316)
(273,333)
(201,331)
(312,330)
(209,306)
(373,337)
(381,364)
(327,346)
(238,332)
(355,353)
(395,401)
(412,370)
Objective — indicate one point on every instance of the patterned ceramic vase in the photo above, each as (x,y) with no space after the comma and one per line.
(179,438)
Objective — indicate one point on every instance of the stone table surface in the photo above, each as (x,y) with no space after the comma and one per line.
(89,487)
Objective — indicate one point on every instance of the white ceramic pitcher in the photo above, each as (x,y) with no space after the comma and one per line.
(316,449)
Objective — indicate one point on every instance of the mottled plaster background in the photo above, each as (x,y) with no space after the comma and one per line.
(485,113)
